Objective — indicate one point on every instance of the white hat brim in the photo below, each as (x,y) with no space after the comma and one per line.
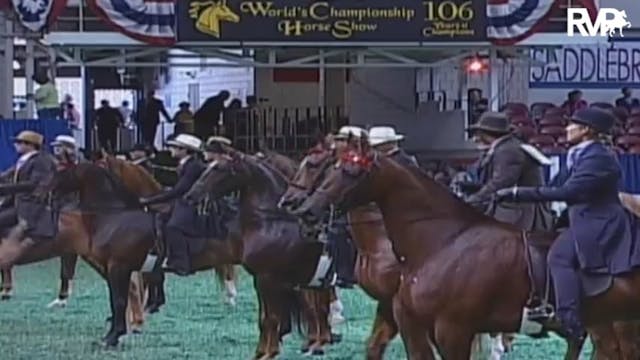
(181,145)
(377,141)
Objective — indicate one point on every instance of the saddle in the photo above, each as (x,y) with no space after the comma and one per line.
(540,304)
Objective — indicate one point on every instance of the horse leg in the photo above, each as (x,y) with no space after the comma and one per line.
(415,336)
(628,334)
(265,318)
(384,330)
(7,284)
(226,275)
(135,311)
(118,277)
(320,315)
(453,340)
(67,272)
(336,308)
(307,298)
(156,298)
(615,341)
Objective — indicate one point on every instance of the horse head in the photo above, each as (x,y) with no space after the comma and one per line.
(222,176)
(342,183)
(309,174)
(224,12)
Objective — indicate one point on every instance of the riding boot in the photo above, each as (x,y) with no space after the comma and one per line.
(345,254)
(178,260)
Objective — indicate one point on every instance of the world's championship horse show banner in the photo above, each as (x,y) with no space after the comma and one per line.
(307,21)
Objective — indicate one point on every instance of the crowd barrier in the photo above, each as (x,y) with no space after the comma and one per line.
(10,128)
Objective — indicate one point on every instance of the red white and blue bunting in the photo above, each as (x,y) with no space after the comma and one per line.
(511,21)
(150,21)
(37,15)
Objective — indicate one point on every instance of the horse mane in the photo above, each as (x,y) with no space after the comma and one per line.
(429,184)
(128,197)
(269,170)
(140,171)
(284,164)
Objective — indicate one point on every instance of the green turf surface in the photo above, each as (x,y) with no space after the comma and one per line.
(195,324)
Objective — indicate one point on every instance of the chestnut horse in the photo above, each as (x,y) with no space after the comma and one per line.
(469,275)
(274,250)
(376,269)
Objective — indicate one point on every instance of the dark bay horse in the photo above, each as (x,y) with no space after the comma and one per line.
(376,269)
(462,272)
(274,249)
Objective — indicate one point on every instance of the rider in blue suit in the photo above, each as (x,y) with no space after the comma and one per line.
(602,236)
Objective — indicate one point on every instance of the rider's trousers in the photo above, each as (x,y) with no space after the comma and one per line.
(8,218)
(563,263)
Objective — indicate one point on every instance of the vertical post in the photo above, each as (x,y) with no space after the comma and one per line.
(29,72)
(321,80)
(6,73)
(494,91)
(84,126)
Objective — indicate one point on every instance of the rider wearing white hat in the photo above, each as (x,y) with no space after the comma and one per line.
(341,137)
(184,220)
(385,140)
(65,151)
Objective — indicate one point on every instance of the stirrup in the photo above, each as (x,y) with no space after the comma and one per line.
(541,313)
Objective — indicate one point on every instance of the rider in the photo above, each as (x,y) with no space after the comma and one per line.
(508,162)
(385,140)
(338,235)
(65,151)
(183,220)
(216,146)
(33,168)
(601,237)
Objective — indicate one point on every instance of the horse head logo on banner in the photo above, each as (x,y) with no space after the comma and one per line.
(210,14)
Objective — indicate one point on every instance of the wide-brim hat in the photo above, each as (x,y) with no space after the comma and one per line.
(217,144)
(30,137)
(599,120)
(186,141)
(492,122)
(379,135)
(345,131)
(64,140)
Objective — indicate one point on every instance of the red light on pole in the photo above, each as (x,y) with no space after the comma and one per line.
(475,65)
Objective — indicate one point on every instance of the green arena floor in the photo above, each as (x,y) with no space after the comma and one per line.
(195,324)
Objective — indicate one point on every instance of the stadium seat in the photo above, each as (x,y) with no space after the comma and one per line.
(524,131)
(515,108)
(521,120)
(628,141)
(635,111)
(562,141)
(542,141)
(633,121)
(538,109)
(602,105)
(634,150)
(621,113)
(555,131)
(635,130)
(555,120)
(554,111)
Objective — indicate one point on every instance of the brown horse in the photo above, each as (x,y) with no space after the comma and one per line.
(273,250)
(376,269)
(468,276)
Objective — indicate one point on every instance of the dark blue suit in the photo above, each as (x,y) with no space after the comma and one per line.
(602,237)
(184,221)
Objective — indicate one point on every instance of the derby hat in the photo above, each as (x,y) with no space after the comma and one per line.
(492,122)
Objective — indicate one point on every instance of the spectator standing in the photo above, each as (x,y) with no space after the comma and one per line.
(574,103)
(46,97)
(183,119)
(108,119)
(153,107)
(73,117)
(229,119)
(627,101)
(64,110)
(126,112)
(207,118)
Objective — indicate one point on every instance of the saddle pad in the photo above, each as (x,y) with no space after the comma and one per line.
(595,284)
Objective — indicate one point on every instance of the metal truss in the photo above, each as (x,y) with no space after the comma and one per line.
(150,57)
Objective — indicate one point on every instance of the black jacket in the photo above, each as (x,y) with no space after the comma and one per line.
(184,216)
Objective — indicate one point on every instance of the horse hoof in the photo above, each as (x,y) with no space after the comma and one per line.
(5,296)
(136,331)
(108,319)
(57,303)
(231,301)
(336,338)
(152,309)
(336,319)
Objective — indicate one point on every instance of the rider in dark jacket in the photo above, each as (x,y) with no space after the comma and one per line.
(602,237)
(31,171)
(183,222)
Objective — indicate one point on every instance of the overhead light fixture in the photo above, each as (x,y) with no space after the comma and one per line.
(16,65)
